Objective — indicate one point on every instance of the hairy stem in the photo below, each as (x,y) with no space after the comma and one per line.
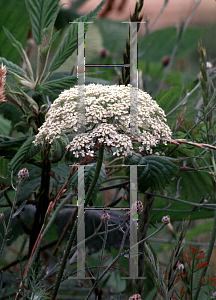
(10,218)
(44,200)
(74,230)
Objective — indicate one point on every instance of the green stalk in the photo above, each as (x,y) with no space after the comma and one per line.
(103,248)
(44,199)
(74,230)
(7,229)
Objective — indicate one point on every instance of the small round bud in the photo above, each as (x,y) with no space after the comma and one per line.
(165,61)
(208,65)
(104,53)
(181,267)
(139,207)
(135,297)
(166,220)
(23,174)
(105,217)
(127,216)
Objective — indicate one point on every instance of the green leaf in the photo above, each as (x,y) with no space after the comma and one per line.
(157,172)
(11,67)
(44,53)
(15,18)
(160,43)
(114,34)
(194,187)
(21,51)
(57,150)
(69,44)
(5,126)
(24,154)
(7,142)
(88,177)
(16,227)
(60,84)
(167,100)
(42,14)
(3,167)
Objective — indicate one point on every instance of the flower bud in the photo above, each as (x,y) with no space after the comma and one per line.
(181,267)
(104,53)
(165,61)
(208,65)
(127,216)
(139,207)
(166,220)
(23,174)
(135,297)
(105,217)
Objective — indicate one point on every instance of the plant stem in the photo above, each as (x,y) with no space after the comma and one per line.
(111,264)
(208,256)
(74,230)
(10,218)
(43,198)
(116,178)
(102,251)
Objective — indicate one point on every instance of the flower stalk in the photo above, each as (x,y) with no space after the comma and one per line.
(74,230)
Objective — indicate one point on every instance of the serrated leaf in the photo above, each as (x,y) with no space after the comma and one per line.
(44,53)
(42,14)
(155,47)
(11,67)
(7,142)
(157,172)
(27,151)
(60,84)
(14,17)
(69,44)
(194,187)
(57,150)
(19,209)
(168,99)
(21,51)
(28,101)
(5,126)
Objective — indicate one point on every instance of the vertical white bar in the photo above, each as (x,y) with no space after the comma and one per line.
(81,225)
(133,223)
(133,78)
(81,79)
(81,128)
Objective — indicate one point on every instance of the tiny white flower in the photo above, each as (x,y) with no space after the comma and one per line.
(104,105)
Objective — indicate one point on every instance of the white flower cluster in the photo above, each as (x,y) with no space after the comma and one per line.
(107,120)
